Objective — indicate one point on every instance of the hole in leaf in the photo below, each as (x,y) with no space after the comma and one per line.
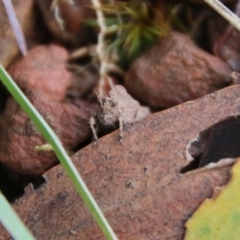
(38,181)
(3,98)
(221,140)
(12,185)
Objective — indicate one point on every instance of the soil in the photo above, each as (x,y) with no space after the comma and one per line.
(151,182)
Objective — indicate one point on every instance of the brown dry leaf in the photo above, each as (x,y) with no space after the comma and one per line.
(137,183)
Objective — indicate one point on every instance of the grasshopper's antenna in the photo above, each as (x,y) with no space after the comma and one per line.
(110,82)
(99,99)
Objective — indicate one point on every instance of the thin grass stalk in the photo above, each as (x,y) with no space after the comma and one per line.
(60,152)
(12,222)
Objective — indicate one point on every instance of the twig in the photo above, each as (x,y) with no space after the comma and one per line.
(225,12)
(119,18)
(16,27)
(101,45)
(57,13)
(106,60)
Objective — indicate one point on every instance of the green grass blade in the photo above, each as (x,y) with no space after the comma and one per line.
(66,162)
(12,222)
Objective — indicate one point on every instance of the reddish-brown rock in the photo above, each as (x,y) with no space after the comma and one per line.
(43,68)
(137,182)
(19,136)
(175,70)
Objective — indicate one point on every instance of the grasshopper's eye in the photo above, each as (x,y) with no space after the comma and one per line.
(114,103)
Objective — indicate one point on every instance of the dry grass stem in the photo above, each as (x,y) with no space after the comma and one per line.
(225,12)
(106,60)
(16,27)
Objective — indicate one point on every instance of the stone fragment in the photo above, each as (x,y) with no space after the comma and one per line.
(43,68)
(174,71)
(19,136)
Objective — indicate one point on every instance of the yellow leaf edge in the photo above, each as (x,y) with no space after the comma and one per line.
(219,217)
